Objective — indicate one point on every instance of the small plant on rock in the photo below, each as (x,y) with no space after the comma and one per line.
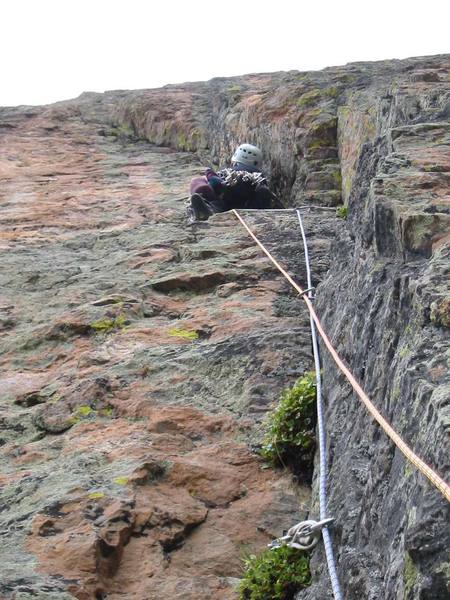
(187,334)
(290,429)
(276,574)
(108,324)
(342,212)
(82,413)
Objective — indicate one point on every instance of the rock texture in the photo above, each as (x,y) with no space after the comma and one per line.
(139,355)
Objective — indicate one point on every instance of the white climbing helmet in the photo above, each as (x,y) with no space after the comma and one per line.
(248,155)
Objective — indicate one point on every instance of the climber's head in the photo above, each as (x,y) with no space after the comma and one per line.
(247,158)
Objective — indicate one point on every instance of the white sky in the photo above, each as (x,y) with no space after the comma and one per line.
(55,49)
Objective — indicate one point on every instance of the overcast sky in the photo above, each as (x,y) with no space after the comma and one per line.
(55,49)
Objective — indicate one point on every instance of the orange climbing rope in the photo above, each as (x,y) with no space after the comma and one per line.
(441,485)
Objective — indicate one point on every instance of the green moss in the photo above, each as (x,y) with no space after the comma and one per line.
(308,98)
(120,321)
(276,574)
(332,92)
(187,334)
(84,411)
(410,575)
(234,89)
(290,429)
(107,324)
(342,212)
(121,480)
(102,325)
(313,96)
(96,495)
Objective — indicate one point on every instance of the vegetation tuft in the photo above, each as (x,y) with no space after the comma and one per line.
(106,325)
(276,574)
(86,412)
(187,334)
(290,429)
(121,480)
(96,495)
(342,212)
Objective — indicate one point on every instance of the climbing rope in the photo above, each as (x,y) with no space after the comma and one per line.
(435,479)
(323,463)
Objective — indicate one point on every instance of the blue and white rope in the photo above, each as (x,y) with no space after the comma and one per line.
(323,470)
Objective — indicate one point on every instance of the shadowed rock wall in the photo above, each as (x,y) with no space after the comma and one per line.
(385,302)
(139,356)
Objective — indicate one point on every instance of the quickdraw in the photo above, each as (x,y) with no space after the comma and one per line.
(303,536)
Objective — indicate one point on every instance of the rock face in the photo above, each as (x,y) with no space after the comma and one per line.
(139,355)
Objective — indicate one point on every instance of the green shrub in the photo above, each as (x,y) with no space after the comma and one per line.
(290,429)
(342,212)
(275,575)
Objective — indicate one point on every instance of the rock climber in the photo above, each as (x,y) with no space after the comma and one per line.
(241,186)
